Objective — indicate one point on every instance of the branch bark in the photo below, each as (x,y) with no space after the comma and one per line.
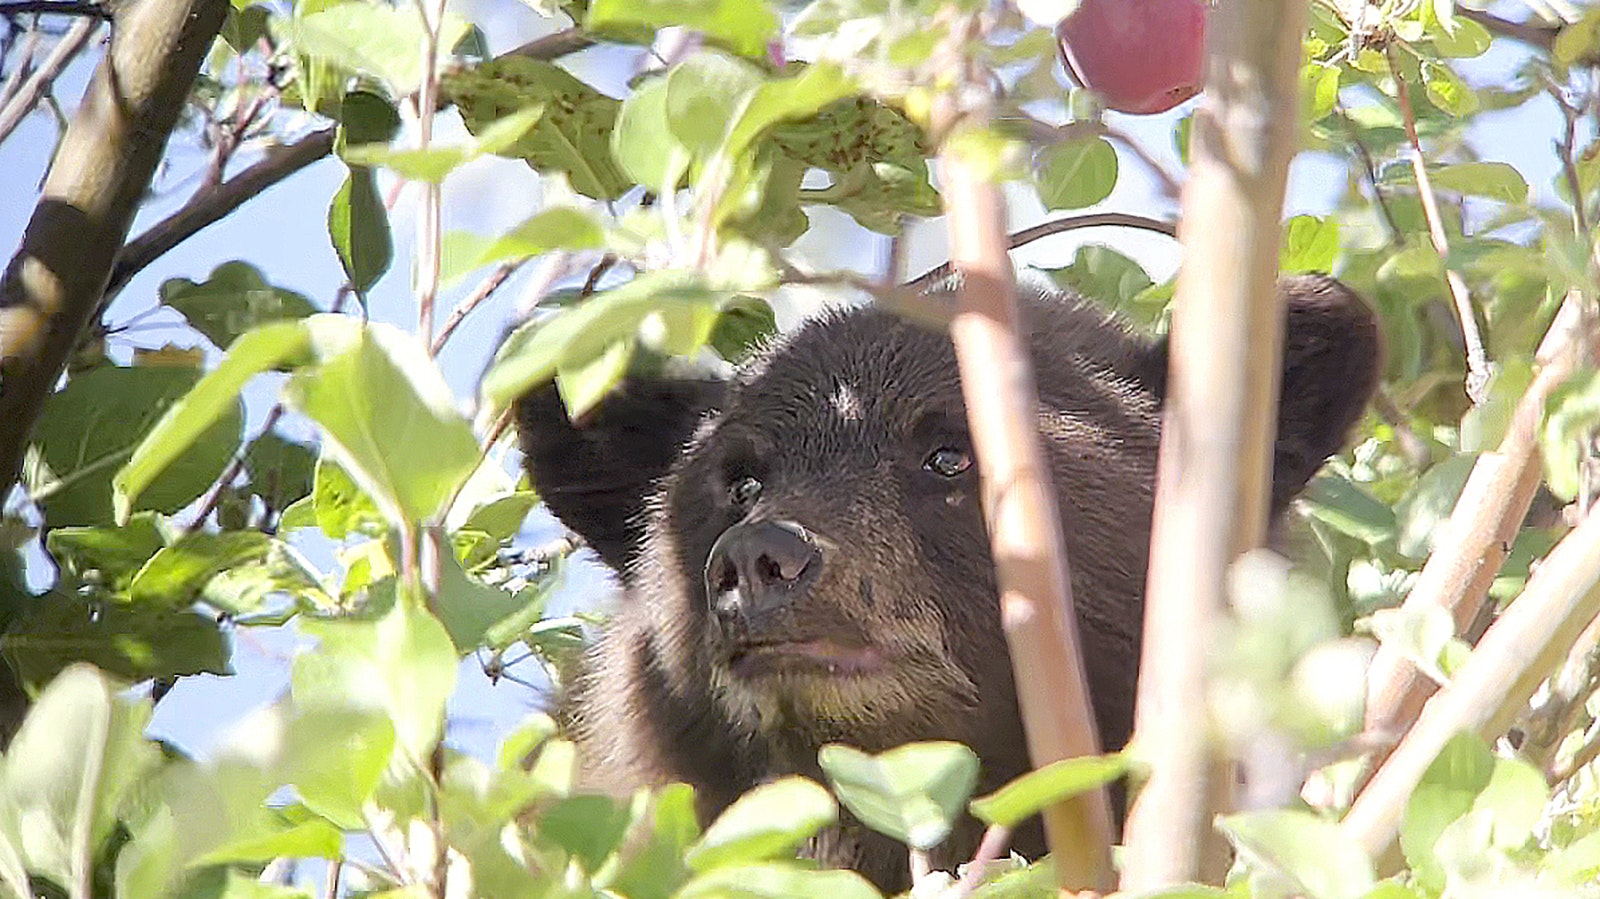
(1474,542)
(19,104)
(1036,609)
(1518,651)
(53,285)
(1214,476)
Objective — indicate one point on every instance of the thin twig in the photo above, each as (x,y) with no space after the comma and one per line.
(1371,169)
(430,248)
(38,84)
(993,845)
(1171,187)
(220,485)
(592,282)
(1056,226)
(335,869)
(483,291)
(1460,297)
(24,65)
(551,46)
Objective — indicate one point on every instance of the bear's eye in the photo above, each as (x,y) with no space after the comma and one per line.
(744,491)
(947,461)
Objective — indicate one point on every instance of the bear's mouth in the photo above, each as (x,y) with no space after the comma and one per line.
(817,657)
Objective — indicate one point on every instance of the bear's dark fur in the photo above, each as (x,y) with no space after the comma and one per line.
(874,621)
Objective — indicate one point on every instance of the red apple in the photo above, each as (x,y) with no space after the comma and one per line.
(1142,56)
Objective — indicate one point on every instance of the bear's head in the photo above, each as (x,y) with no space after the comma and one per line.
(804,549)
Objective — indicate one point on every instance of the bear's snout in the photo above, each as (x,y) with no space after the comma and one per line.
(758,569)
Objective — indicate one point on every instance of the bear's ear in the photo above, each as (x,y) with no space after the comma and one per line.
(596,474)
(1332,357)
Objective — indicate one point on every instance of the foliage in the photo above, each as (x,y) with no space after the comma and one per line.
(676,208)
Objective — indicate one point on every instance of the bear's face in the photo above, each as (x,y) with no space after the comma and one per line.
(829,542)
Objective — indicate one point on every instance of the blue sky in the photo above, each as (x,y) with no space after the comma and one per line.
(283,233)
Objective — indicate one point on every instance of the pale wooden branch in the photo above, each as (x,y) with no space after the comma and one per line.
(1214,476)
(1474,542)
(1460,297)
(1491,688)
(101,172)
(1036,608)
(26,97)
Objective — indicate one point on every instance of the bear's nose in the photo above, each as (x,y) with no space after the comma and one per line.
(760,566)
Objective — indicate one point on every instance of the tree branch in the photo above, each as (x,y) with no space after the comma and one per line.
(55,7)
(53,285)
(21,103)
(1215,468)
(1055,226)
(1526,643)
(1540,36)
(213,205)
(1036,606)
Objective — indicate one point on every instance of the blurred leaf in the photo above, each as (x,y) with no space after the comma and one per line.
(1422,635)
(1447,791)
(341,507)
(1495,180)
(777,881)
(109,556)
(705,94)
(1077,173)
(1027,795)
(1422,513)
(1572,413)
(589,826)
(768,822)
(643,144)
(175,576)
(913,793)
(1314,854)
(1310,244)
(744,323)
(232,301)
(372,38)
(1447,91)
(663,827)
(557,228)
(75,759)
(334,756)
(746,26)
(1343,505)
(1102,273)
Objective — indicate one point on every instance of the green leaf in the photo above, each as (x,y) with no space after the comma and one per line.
(590,826)
(770,821)
(572,136)
(663,827)
(231,883)
(1315,855)
(174,577)
(746,26)
(1310,244)
(366,118)
(1575,864)
(913,793)
(341,507)
(403,664)
(245,589)
(470,608)
(358,225)
(643,144)
(705,94)
(744,324)
(1319,91)
(335,755)
(1077,173)
(1447,791)
(109,556)
(131,642)
(684,311)
(281,471)
(1424,636)
(392,423)
(557,228)
(97,421)
(1421,514)
(788,99)
(1032,792)
(1348,508)
(1495,180)
(436,162)
(777,881)
(1572,413)
(232,301)
(75,759)
(1447,91)
(372,38)
(187,421)
(1102,273)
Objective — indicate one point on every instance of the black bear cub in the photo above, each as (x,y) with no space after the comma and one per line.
(804,556)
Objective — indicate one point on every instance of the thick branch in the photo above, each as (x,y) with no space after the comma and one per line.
(53,285)
(1518,651)
(1214,475)
(1036,609)
(1541,36)
(55,7)
(214,205)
